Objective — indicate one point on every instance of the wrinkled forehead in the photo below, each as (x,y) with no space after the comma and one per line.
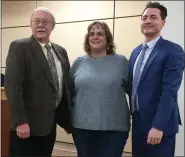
(96,27)
(41,14)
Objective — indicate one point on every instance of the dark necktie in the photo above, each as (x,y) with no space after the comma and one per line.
(53,70)
(136,79)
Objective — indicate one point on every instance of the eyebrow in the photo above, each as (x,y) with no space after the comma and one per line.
(153,15)
(97,32)
(150,15)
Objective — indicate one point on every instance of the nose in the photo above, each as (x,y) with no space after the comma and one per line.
(148,20)
(96,35)
(41,24)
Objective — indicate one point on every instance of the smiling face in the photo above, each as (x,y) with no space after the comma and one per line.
(42,25)
(97,38)
(151,22)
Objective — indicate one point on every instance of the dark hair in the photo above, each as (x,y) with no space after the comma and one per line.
(110,47)
(163,9)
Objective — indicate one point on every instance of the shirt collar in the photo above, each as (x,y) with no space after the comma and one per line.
(152,43)
(43,45)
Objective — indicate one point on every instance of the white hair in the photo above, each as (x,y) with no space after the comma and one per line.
(44,9)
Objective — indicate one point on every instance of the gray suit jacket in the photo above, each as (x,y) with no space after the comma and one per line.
(30,90)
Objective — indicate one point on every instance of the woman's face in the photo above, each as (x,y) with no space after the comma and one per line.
(97,38)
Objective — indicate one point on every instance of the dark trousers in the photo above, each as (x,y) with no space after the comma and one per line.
(90,143)
(32,146)
(140,148)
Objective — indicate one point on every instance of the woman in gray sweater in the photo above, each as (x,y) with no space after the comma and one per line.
(100,113)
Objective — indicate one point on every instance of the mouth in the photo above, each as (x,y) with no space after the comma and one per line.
(95,42)
(40,31)
(148,27)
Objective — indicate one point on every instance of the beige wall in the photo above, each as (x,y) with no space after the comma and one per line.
(71,35)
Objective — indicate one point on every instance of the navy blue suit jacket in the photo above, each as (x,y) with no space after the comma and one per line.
(159,85)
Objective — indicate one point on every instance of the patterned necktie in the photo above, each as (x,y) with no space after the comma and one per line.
(136,79)
(53,70)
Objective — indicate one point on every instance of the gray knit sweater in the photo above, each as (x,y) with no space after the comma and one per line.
(99,99)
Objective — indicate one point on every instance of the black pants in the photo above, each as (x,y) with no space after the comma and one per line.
(32,146)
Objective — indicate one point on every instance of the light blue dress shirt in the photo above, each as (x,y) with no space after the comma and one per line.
(151,45)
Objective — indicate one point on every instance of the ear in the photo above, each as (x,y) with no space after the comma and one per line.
(53,26)
(163,23)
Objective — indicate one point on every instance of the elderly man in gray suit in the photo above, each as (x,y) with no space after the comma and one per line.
(37,89)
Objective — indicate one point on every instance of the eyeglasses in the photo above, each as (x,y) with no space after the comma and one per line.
(99,34)
(44,22)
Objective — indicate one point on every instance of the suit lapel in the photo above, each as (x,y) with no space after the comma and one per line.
(38,52)
(152,56)
(60,56)
(58,53)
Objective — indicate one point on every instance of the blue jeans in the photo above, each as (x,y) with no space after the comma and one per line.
(92,143)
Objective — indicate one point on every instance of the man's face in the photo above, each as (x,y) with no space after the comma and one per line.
(151,22)
(41,25)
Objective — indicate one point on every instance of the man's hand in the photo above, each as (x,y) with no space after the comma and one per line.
(154,136)
(23,131)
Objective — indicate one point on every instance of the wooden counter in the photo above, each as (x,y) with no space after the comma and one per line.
(5,124)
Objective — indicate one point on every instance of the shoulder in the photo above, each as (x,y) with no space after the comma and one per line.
(137,48)
(121,60)
(120,57)
(20,42)
(172,50)
(59,47)
(78,60)
(172,46)
(76,64)
(17,49)
(18,46)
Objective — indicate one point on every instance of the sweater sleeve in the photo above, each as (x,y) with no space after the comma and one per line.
(72,72)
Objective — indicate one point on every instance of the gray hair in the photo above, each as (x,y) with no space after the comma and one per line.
(44,9)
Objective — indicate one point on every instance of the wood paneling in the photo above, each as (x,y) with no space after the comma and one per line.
(129,8)
(8,35)
(127,35)
(71,37)
(65,11)
(17,13)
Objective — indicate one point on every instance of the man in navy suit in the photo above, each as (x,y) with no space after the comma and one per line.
(156,69)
